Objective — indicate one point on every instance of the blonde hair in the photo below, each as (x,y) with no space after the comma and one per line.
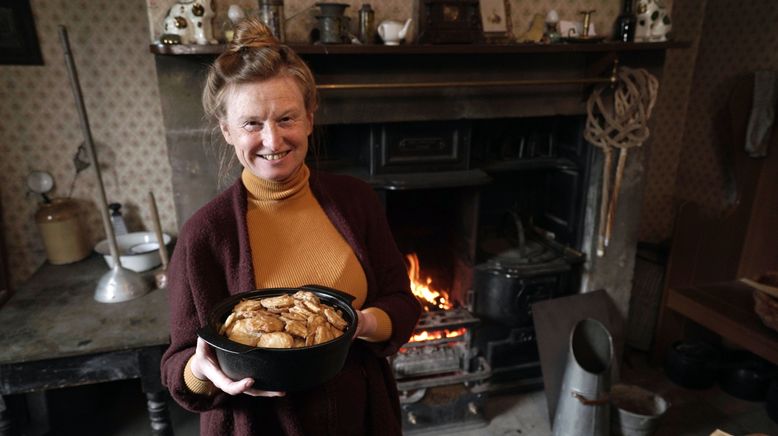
(253,55)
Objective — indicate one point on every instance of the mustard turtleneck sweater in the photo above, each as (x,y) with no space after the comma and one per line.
(293,243)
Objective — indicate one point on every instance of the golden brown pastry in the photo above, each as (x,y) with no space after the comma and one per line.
(276,340)
(284,321)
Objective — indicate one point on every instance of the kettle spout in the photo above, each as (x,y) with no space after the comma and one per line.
(404,30)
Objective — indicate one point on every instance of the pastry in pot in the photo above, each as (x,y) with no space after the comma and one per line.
(284,321)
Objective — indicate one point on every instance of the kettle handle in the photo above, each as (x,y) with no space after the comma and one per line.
(380,30)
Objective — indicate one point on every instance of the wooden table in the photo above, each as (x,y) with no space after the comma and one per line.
(727,309)
(53,334)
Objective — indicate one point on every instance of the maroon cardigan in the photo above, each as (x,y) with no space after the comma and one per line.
(212,260)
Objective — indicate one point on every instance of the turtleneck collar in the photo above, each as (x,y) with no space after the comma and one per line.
(267,190)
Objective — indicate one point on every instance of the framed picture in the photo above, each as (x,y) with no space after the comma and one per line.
(449,22)
(496,20)
(18,39)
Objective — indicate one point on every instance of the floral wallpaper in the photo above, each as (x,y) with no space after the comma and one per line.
(737,41)
(687,155)
(40,128)
(668,124)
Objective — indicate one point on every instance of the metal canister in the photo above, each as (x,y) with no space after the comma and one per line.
(366,24)
(60,228)
(583,407)
(271,12)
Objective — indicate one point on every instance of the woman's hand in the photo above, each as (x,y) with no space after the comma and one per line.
(366,324)
(205,367)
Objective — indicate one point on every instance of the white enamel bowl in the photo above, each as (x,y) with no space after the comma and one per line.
(138,251)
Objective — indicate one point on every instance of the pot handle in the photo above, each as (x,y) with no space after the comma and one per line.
(327,290)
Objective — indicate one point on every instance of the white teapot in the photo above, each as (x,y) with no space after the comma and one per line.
(392,32)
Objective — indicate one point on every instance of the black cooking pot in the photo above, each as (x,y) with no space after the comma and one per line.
(692,364)
(282,369)
(745,375)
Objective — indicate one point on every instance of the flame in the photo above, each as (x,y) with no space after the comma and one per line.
(427,335)
(423,290)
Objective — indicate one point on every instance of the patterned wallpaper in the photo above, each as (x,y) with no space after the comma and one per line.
(40,127)
(686,159)
(667,124)
(738,40)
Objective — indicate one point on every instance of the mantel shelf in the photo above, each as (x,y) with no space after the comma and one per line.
(426,49)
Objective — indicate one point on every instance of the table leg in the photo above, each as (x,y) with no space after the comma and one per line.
(5,419)
(156,402)
(156,394)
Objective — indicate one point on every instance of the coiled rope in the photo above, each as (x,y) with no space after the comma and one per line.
(617,118)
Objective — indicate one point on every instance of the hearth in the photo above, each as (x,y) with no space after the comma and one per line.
(440,359)
(438,369)
(476,252)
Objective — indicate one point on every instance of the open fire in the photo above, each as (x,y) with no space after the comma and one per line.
(433,301)
(428,335)
(429,297)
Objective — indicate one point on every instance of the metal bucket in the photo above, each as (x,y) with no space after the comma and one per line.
(584,408)
(636,411)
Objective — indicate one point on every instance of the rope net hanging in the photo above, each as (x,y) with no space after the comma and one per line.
(617,118)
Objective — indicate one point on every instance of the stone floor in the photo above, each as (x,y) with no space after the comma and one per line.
(118,409)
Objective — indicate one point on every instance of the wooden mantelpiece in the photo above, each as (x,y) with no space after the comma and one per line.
(425,49)
(377,83)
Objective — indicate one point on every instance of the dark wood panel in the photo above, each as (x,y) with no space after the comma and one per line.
(70,371)
(728,310)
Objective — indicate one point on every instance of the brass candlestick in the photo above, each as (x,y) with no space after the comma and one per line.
(586,21)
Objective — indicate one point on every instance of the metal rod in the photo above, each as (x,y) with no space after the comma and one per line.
(158,230)
(102,201)
(476,84)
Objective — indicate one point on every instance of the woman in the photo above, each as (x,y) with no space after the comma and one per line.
(283,225)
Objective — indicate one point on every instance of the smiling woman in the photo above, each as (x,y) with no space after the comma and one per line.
(284,225)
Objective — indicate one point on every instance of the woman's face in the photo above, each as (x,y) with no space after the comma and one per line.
(268,125)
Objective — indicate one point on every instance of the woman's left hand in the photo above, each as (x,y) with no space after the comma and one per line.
(366,324)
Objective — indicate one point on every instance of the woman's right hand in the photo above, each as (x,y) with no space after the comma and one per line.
(205,367)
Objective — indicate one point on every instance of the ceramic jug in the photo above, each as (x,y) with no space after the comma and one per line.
(392,32)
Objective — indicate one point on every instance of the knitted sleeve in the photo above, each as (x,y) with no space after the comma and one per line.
(191,279)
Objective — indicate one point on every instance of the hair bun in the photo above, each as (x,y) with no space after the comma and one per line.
(253,33)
